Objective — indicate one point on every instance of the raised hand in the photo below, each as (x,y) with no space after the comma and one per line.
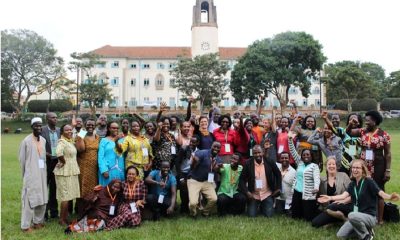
(163,106)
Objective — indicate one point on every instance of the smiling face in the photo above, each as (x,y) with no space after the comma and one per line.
(310,123)
(185,128)
(335,120)
(215,148)
(165,167)
(102,121)
(166,125)
(284,123)
(327,132)
(131,175)
(89,126)
(113,129)
(331,166)
(357,169)
(306,156)
(236,123)
(135,128)
(203,123)
(116,188)
(78,122)
(234,161)
(353,125)
(284,160)
(125,125)
(173,123)
(249,126)
(149,128)
(225,123)
(258,153)
(37,128)
(370,123)
(278,118)
(67,133)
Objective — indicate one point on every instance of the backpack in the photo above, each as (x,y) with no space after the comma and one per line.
(391,212)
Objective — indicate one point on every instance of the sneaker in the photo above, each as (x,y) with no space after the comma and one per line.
(336,214)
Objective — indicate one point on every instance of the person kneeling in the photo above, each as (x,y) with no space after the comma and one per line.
(230,201)
(162,195)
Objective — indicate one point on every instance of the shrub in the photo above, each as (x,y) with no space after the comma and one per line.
(341,105)
(57,105)
(364,104)
(388,104)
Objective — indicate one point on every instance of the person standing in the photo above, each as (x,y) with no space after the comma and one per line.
(32,154)
(51,134)
(101,128)
(260,181)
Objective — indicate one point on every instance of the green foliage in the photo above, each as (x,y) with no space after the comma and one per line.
(95,93)
(365,104)
(28,62)
(357,104)
(203,76)
(57,105)
(392,84)
(388,104)
(351,80)
(274,65)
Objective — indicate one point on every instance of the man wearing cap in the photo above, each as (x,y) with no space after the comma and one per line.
(32,155)
(51,134)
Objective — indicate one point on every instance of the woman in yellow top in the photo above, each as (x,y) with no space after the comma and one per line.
(66,172)
(138,148)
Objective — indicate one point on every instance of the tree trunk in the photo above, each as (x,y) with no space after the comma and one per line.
(349,107)
(201,106)
(48,103)
(93,110)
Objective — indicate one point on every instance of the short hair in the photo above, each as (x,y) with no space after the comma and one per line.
(375,116)
(132,167)
(246,121)
(178,120)
(284,152)
(152,123)
(108,126)
(359,118)
(90,119)
(201,117)
(62,128)
(363,167)
(307,149)
(238,154)
(165,118)
(224,116)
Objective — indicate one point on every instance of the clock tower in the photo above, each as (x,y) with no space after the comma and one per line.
(204,28)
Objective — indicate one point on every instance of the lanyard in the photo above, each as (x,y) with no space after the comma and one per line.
(212,162)
(131,190)
(359,191)
(226,136)
(112,198)
(257,167)
(370,135)
(38,147)
(166,179)
(168,137)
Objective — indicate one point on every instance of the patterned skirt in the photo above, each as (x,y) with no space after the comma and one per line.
(67,187)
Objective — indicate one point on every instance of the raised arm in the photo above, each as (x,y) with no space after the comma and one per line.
(292,148)
(273,122)
(189,108)
(157,135)
(314,137)
(163,107)
(140,119)
(353,132)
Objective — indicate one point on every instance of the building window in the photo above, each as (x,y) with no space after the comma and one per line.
(146,100)
(317,102)
(115,64)
(133,82)
(132,102)
(293,90)
(132,65)
(114,102)
(159,100)
(115,81)
(146,82)
(159,82)
(226,102)
(160,66)
(172,102)
(305,102)
(315,90)
(171,82)
(101,65)
(172,65)
(146,66)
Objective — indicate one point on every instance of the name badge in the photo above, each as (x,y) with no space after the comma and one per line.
(160,198)
(133,207)
(82,133)
(145,152)
(251,152)
(210,177)
(352,150)
(227,147)
(369,154)
(355,209)
(173,150)
(259,184)
(112,210)
(280,149)
(41,163)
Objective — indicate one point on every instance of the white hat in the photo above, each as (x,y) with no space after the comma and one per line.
(35,120)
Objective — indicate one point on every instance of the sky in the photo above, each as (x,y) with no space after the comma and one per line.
(358,30)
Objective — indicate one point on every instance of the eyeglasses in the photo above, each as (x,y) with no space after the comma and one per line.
(356,167)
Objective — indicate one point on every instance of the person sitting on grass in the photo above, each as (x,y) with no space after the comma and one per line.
(162,194)
(99,207)
(134,195)
(364,194)
(334,183)
(230,200)
(261,182)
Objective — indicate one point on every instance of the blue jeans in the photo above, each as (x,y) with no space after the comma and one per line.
(266,207)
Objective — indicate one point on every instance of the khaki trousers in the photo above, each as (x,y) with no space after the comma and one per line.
(207,189)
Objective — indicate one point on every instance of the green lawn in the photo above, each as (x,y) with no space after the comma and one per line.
(179,227)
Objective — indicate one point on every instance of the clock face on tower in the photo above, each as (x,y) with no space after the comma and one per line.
(205,46)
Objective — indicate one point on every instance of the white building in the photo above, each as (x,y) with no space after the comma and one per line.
(139,76)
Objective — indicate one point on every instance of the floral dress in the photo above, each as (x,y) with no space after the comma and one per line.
(163,150)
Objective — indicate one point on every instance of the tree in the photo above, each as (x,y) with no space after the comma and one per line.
(203,76)
(275,64)
(95,92)
(377,75)
(28,60)
(82,63)
(347,80)
(393,82)
(60,86)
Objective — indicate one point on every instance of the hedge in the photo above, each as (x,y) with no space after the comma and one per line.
(57,105)
(388,104)
(358,104)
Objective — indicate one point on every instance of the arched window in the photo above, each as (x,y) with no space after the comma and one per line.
(204,12)
(315,90)
(159,82)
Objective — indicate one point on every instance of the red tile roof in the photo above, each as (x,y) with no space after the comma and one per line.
(161,52)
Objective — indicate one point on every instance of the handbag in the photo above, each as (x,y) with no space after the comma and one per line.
(391,212)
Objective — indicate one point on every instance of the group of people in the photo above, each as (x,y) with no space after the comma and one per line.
(116,171)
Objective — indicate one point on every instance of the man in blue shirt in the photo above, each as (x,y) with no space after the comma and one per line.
(162,195)
(205,165)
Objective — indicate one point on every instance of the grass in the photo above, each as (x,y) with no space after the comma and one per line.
(180,227)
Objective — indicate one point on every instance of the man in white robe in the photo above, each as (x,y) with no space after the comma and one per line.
(32,157)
